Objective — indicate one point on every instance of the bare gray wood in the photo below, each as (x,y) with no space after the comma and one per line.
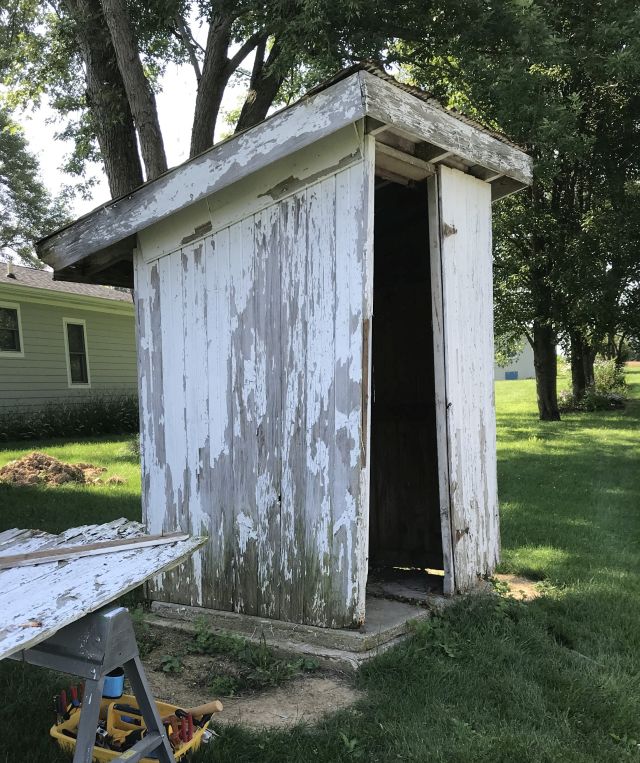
(293,321)
(267,311)
(245,442)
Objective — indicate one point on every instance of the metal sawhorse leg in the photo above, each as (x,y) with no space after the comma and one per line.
(90,648)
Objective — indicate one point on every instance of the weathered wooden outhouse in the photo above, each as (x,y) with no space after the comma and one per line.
(314,317)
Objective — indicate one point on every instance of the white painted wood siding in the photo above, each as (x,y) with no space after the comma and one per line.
(252,345)
(467,321)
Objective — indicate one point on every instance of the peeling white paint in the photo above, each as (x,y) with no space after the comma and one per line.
(246,531)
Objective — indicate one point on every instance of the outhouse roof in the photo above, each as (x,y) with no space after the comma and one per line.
(410,127)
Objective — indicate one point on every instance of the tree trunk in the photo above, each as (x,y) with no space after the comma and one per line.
(107,98)
(215,75)
(264,86)
(588,360)
(545,362)
(141,98)
(578,379)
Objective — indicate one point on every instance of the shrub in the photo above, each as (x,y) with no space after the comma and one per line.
(87,416)
(133,446)
(606,394)
(609,377)
(592,400)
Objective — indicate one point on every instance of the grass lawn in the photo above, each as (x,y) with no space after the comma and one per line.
(555,679)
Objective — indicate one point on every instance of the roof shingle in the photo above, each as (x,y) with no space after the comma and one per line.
(43,279)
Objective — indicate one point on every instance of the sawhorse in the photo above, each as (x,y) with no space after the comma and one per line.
(90,648)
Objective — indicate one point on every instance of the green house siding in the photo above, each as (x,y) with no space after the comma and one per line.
(40,376)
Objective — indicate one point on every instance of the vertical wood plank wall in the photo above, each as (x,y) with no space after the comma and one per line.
(252,345)
(467,332)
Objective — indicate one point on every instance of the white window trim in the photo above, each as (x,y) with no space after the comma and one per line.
(83,323)
(13,353)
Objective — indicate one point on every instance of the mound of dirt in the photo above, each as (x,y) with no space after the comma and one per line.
(39,468)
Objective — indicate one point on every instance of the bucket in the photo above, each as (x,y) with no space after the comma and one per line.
(114,684)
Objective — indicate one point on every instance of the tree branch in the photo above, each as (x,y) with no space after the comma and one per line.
(183,33)
(234,62)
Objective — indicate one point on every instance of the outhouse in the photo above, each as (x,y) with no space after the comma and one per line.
(315,348)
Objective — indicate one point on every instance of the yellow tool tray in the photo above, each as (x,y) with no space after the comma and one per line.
(117,726)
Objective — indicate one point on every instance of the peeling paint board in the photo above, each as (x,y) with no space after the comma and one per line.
(36,540)
(425,121)
(293,258)
(9,537)
(148,358)
(165,505)
(251,194)
(278,136)
(440,382)
(241,237)
(167,515)
(320,402)
(350,252)
(219,583)
(268,409)
(194,300)
(62,601)
(465,207)
(367,244)
(65,553)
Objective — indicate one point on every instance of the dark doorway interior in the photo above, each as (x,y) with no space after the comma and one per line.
(404,506)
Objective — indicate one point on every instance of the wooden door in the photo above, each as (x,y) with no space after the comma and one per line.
(460,210)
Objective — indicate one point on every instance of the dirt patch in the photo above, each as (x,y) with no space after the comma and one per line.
(41,469)
(520,588)
(306,698)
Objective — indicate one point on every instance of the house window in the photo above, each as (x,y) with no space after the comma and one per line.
(10,330)
(77,355)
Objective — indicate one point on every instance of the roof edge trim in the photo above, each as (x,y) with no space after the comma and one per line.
(281,134)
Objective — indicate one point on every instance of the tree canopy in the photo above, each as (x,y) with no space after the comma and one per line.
(27,211)
(560,78)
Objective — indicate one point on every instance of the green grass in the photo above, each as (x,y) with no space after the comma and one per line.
(56,508)
(556,679)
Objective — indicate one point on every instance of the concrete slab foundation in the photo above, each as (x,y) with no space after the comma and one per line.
(388,623)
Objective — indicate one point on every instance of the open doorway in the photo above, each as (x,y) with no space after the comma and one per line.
(405,542)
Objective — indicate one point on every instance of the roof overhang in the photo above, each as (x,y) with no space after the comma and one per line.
(98,248)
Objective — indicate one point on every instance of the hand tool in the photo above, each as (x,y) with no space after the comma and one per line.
(57,709)
(203,712)
(64,705)
(190,727)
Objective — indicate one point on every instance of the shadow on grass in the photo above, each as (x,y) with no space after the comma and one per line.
(491,680)
(55,509)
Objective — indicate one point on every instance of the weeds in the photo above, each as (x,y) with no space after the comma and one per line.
(145,637)
(171,663)
(257,666)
